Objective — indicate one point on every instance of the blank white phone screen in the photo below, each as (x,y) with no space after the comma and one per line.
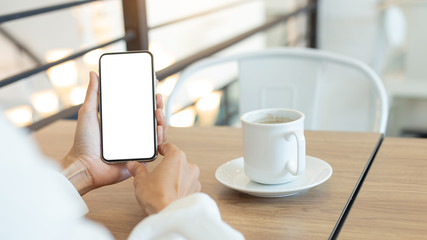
(127,106)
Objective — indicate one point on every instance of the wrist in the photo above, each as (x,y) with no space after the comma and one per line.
(156,203)
(77,173)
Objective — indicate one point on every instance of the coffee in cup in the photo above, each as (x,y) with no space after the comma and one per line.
(273,120)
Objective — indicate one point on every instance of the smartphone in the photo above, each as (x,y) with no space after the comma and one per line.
(127,107)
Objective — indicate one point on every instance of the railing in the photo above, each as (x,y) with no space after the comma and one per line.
(43,67)
(136,37)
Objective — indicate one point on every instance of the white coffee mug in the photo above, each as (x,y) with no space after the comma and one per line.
(274,145)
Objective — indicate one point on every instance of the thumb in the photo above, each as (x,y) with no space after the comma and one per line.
(92,93)
(136,168)
(167,148)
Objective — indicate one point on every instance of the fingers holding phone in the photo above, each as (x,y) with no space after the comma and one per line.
(161,120)
(172,179)
(83,165)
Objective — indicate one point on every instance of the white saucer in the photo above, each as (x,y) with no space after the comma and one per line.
(231,174)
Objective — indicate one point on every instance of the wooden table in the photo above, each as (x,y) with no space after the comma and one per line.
(312,215)
(392,202)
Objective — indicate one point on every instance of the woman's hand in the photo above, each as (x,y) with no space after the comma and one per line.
(83,165)
(172,179)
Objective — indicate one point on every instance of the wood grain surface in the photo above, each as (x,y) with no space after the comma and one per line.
(392,203)
(311,215)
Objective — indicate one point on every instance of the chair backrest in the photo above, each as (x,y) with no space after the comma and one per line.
(333,91)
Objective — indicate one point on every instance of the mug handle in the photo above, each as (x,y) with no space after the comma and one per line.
(300,153)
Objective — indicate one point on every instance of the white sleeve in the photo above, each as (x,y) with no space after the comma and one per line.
(193,217)
(36,200)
